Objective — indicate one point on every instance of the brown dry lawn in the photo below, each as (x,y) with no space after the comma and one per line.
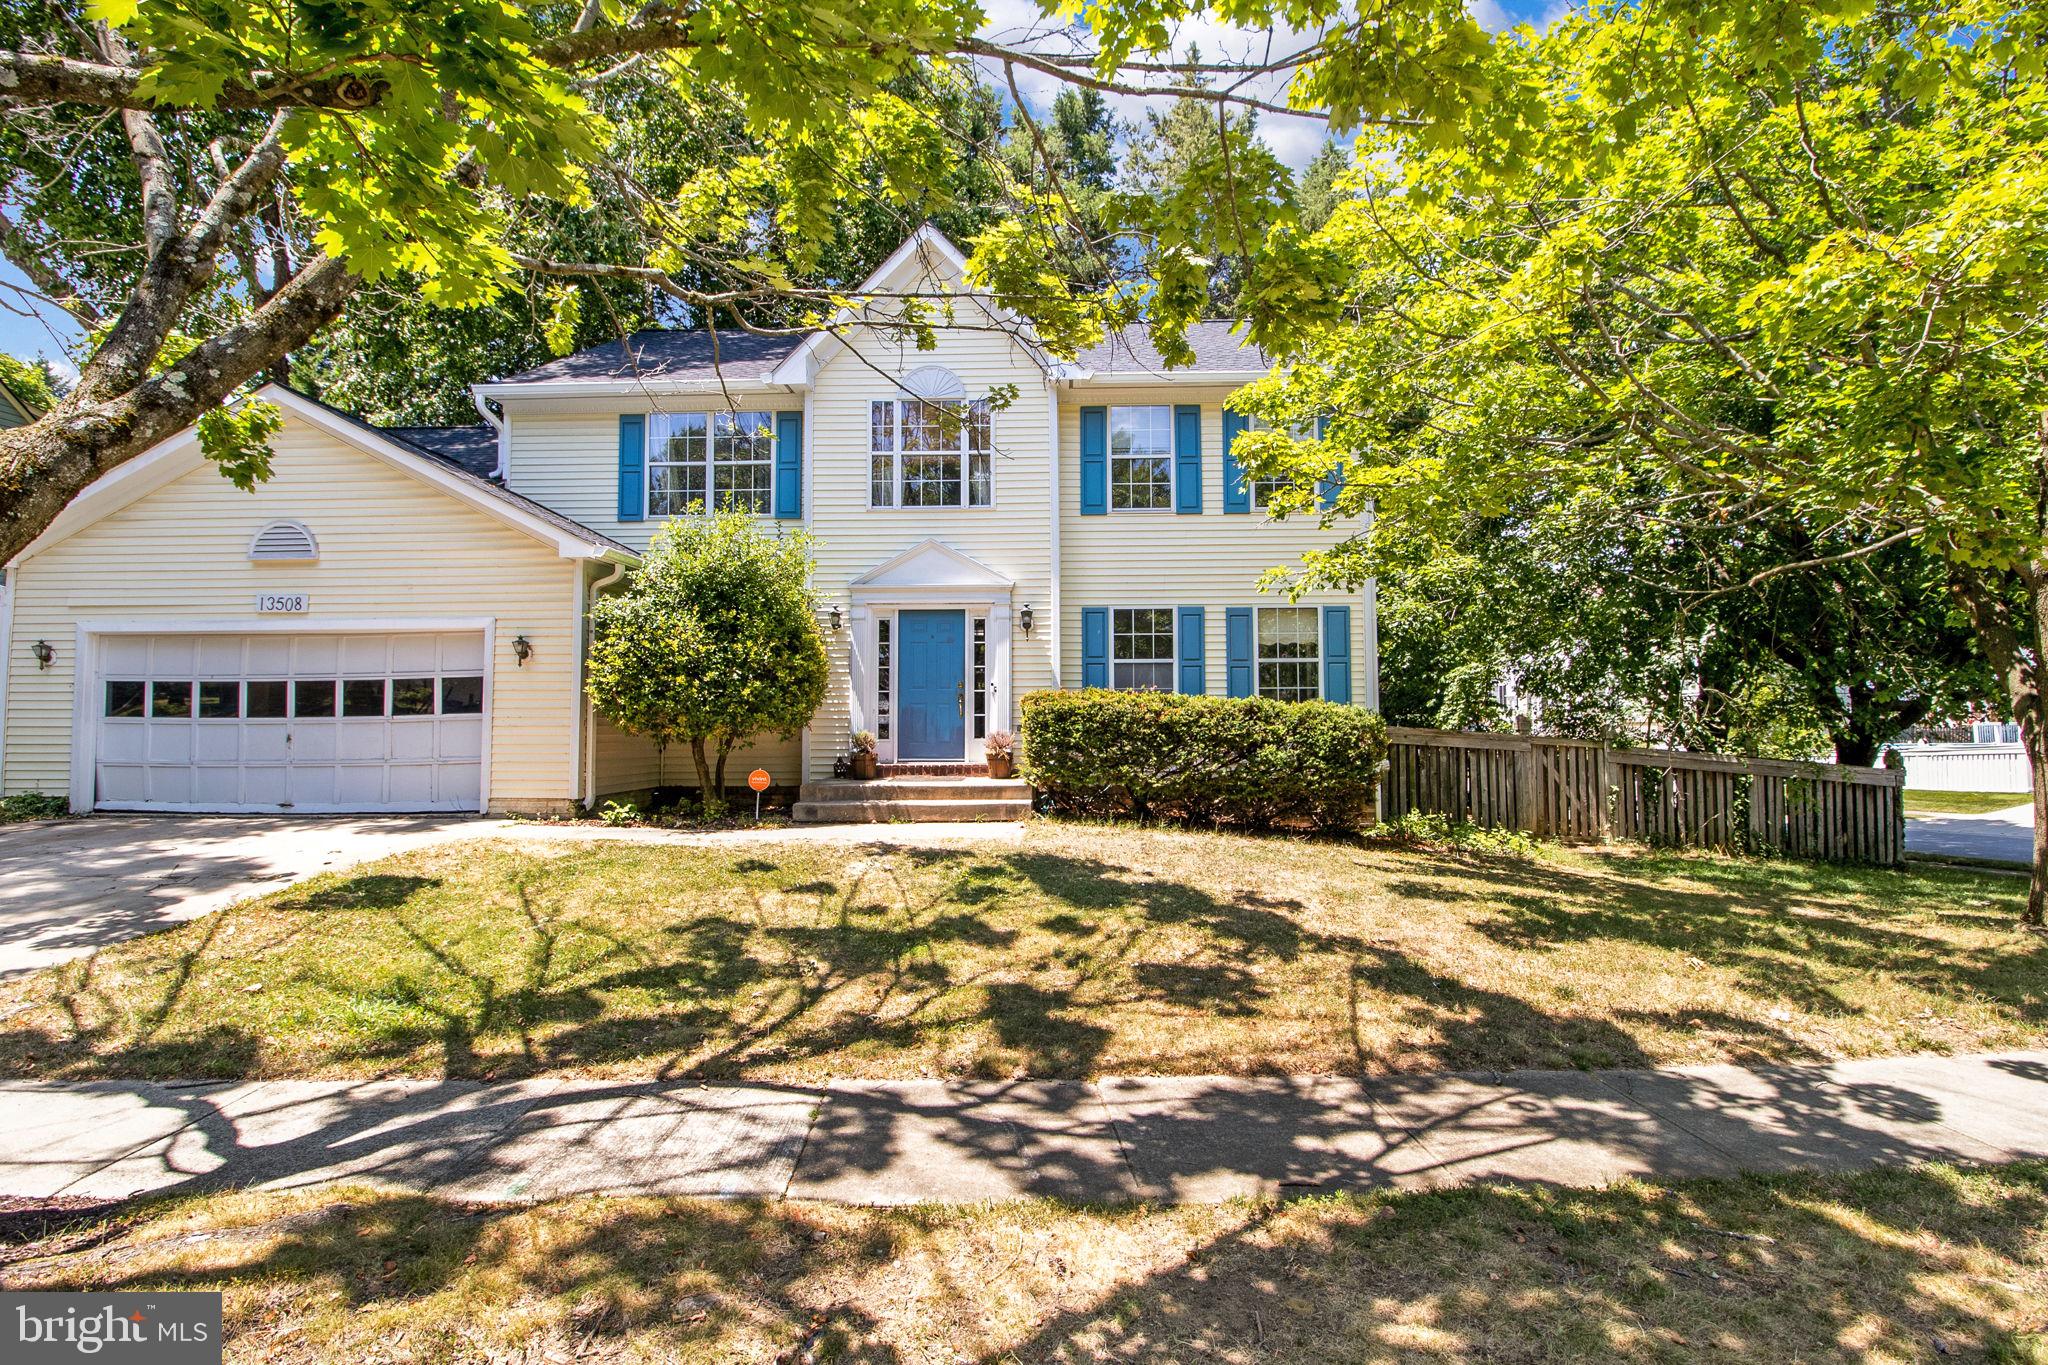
(1923,1265)
(1081,951)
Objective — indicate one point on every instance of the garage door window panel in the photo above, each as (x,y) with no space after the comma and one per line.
(412,696)
(362,697)
(462,696)
(220,701)
(125,698)
(170,700)
(312,698)
(265,699)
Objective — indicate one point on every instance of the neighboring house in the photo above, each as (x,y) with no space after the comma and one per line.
(15,411)
(395,619)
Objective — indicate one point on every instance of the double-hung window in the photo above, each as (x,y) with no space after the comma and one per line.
(1264,489)
(1290,654)
(1141,648)
(1141,457)
(929,454)
(710,461)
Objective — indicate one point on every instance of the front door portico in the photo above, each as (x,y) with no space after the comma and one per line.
(928,672)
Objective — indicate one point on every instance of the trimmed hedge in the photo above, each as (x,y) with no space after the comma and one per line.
(1203,760)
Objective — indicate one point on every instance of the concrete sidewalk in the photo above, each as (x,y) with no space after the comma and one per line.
(1187,1139)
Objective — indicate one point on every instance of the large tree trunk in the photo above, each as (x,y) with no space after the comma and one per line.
(47,463)
(2009,611)
(709,795)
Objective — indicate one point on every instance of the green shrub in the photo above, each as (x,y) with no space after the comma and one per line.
(1418,830)
(33,806)
(1204,760)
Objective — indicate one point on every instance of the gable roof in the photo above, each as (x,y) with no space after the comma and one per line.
(693,359)
(179,455)
(474,448)
(523,507)
(665,356)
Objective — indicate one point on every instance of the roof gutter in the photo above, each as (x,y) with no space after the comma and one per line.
(622,388)
(1080,378)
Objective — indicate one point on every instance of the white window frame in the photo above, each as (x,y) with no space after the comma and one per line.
(1261,501)
(1172,660)
(1111,458)
(970,409)
(1260,659)
(658,435)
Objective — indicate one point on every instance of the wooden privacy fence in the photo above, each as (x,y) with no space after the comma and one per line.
(1578,789)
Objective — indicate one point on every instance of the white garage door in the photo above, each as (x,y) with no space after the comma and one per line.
(304,723)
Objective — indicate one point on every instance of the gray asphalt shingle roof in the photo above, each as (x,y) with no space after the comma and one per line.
(667,355)
(474,448)
(1216,344)
(741,356)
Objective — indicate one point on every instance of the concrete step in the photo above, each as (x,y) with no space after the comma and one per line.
(918,789)
(859,812)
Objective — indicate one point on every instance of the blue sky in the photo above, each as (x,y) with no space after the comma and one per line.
(29,332)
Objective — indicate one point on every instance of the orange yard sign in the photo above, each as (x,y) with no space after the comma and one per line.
(758,779)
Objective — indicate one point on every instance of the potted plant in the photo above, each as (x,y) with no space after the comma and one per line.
(1002,754)
(863,756)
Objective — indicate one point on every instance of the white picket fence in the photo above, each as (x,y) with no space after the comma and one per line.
(1966,767)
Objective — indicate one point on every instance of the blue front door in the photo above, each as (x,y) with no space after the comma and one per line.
(932,693)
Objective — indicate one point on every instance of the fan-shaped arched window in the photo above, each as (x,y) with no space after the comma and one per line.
(284,540)
(934,384)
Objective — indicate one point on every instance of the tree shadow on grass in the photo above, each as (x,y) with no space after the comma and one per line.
(1786,928)
(1782,1268)
(1896,1265)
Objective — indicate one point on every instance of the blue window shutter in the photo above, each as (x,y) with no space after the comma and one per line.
(1094,461)
(1187,460)
(1331,483)
(789,465)
(1337,654)
(1194,678)
(1237,495)
(1095,645)
(632,467)
(1237,638)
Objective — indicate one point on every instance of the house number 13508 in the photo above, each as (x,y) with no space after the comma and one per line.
(281,601)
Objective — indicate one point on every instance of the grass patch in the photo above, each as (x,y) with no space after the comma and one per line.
(1080,951)
(1961,803)
(1888,1266)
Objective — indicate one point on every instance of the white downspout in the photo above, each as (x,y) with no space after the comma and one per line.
(1054,626)
(498,424)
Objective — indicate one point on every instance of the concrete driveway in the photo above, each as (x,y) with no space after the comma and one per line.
(2003,835)
(68,887)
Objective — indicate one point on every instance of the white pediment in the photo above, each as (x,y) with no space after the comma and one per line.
(933,564)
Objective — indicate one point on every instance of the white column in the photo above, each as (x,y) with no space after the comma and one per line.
(860,671)
(999,653)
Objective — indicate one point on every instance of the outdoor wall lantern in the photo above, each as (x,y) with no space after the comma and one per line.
(837,622)
(1024,619)
(45,653)
(522,650)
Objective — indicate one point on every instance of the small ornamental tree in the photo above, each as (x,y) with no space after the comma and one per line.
(714,640)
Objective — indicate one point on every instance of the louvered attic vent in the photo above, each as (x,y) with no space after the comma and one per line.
(284,540)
